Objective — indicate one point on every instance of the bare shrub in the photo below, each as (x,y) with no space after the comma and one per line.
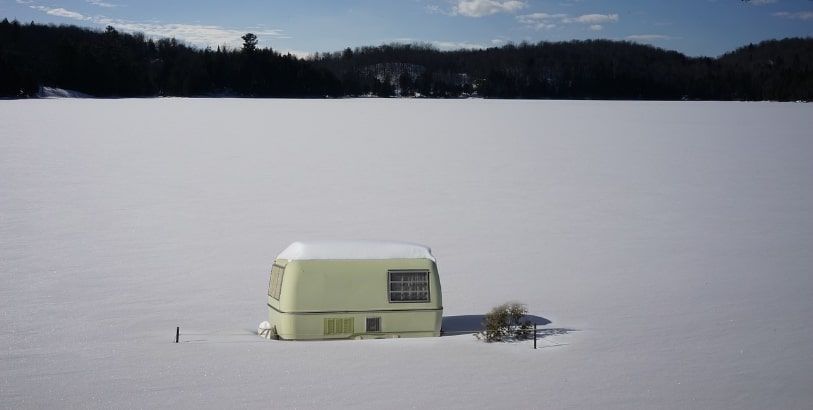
(506,323)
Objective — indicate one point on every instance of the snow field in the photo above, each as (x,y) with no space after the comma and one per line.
(670,240)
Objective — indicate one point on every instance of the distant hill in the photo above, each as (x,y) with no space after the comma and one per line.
(771,70)
(597,69)
(110,63)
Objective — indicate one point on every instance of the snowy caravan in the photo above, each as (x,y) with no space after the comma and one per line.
(353,289)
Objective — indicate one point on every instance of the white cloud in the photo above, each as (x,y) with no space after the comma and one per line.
(537,17)
(593,19)
(647,38)
(480,8)
(545,21)
(761,2)
(447,45)
(540,21)
(799,15)
(60,12)
(455,45)
(54,11)
(197,34)
(101,3)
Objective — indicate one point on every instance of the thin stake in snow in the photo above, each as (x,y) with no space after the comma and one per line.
(177,333)
(534,335)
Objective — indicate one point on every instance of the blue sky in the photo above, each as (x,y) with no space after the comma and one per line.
(694,27)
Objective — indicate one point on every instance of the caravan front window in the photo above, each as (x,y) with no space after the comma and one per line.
(275,283)
(408,285)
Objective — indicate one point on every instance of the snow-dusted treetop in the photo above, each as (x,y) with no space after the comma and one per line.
(355,250)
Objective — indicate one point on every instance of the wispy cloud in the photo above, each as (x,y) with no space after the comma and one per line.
(449,45)
(480,8)
(541,21)
(101,3)
(648,38)
(457,45)
(434,9)
(59,11)
(54,11)
(593,19)
(799,15)
(544,21)
(761,2)
(197,34)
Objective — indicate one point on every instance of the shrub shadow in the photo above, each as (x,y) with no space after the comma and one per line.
(456,325)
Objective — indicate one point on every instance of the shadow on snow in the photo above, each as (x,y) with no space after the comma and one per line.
(455,325)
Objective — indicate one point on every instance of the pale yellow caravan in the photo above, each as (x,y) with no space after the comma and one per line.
(353,289)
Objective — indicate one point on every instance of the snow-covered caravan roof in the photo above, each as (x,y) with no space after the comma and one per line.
(355,250)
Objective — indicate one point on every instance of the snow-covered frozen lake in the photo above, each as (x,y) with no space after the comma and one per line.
(670,245)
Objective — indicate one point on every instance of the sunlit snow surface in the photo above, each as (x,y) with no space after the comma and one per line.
(355,249)
(670,245)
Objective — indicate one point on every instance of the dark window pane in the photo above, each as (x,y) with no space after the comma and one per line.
(408,286)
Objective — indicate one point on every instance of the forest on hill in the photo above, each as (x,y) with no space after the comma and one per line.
(109,63)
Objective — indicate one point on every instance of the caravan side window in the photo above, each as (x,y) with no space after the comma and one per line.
(408,285)
(275,283)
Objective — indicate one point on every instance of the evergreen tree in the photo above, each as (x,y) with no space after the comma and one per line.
(249,42)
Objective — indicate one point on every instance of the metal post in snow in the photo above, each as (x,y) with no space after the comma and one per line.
(534,335)
(177,333)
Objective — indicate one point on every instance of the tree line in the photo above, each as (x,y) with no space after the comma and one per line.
(113,64)
(109,63)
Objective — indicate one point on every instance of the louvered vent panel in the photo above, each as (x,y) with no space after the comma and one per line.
(336,326)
